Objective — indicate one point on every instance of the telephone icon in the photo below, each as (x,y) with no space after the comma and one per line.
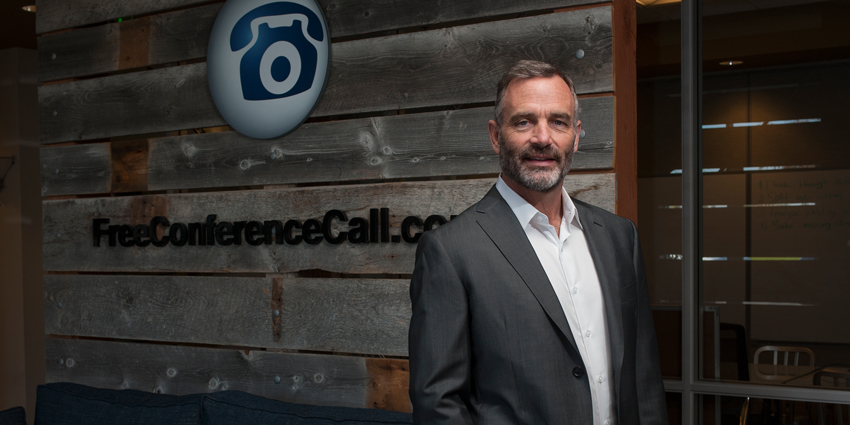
(281,60)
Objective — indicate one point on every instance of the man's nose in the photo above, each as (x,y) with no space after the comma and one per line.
(541,134)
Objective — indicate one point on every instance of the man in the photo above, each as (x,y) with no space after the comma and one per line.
(531,307)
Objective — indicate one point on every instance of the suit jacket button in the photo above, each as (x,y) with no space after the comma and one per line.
(578,372)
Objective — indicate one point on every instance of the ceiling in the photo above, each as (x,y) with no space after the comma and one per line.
(754,33)
(17,27)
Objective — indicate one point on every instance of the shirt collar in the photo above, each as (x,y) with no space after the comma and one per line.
(525,212)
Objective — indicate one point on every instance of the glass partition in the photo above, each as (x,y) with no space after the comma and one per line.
(659,186)
(773,234)
(776,190)
(723,410)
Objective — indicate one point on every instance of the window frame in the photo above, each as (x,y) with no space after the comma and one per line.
(692,386)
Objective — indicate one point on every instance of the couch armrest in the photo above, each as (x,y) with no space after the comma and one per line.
(13,416)
(236,407)
(64,403)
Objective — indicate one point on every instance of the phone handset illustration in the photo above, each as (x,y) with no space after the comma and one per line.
(282,61)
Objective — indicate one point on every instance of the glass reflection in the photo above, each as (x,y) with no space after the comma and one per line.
(757,411)
(776,177)
(776,256)
(659,148)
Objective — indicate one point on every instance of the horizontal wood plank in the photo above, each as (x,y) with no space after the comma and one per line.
(463,64)
(364,316)
(403,146)
(78,169)
(68,226)
(354,17)
(452,66)
(54,15)
(345,17)
(147,102)
(170,37)
(304,378)
(129,166)
(79,53)
(183,34)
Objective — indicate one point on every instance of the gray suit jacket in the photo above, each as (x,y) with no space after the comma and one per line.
(489,341)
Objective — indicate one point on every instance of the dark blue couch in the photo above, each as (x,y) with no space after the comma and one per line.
(13,416)
(73,404)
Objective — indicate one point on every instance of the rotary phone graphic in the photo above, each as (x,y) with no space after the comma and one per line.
(282,61)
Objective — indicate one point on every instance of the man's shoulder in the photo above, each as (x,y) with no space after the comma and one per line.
(590,212)
(462,223)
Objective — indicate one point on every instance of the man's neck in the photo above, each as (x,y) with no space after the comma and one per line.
(549,203)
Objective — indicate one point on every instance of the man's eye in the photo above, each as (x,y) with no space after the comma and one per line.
(523,123)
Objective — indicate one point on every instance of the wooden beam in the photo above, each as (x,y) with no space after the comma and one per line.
(624,23)
(355,17)
(403,146)
(129,166)
(54,15)
(435,68)
(344,17)
(170,369)
(153,40)
(414,145)
(182,35)
(77,169)
(365,316)
(391,384)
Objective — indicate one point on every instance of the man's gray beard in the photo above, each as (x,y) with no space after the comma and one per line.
(535,178)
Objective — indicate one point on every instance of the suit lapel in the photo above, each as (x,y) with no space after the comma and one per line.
(500,223)
(602,252)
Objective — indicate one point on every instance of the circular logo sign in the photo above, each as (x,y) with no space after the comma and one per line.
(267,63)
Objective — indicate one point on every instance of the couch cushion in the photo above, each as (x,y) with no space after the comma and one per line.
(65,403)
(13,416)
(237,408)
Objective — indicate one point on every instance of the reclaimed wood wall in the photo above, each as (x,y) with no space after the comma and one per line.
(129,132)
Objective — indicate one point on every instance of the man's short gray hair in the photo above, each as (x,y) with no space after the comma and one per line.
(526,69)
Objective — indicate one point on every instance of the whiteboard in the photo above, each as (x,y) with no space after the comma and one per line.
(800,234)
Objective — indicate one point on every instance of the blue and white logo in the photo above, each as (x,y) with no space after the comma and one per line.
(267,63)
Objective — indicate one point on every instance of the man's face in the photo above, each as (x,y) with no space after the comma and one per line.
(537,138)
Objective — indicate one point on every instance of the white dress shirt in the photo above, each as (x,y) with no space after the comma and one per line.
(569,266)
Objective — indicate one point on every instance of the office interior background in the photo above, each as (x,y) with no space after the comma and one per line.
(774,225)
(765,338)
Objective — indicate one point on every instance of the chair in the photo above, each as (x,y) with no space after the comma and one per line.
(785,372)
(837,375)
(776,349)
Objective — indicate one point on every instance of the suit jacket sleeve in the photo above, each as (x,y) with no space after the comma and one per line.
(651,398)
(439,347)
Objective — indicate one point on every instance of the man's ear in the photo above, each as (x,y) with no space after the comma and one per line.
(578,136)
(493,129)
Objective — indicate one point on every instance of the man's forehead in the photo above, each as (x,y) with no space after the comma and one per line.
(551,91)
